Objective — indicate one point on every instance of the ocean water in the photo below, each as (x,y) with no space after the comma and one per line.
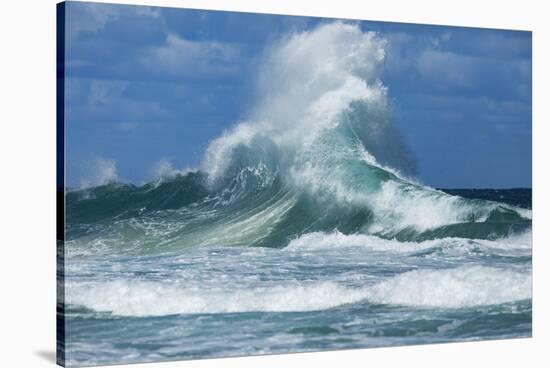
(304,229)
(136,291)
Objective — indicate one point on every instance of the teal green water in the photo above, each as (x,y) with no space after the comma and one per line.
(151,275)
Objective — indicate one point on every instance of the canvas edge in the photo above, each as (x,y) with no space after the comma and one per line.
(60,184)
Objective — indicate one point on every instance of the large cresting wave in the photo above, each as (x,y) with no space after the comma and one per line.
(317,154)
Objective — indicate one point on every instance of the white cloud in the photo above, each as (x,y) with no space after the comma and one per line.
(97,99)
(87,17)
(465,110)
(93,17)
(148,11)
(446,67)
(179,56)
(103,92)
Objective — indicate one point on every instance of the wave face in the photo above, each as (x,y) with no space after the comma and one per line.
(307,206)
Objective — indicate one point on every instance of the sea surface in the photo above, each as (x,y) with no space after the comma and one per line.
(305,228)
(190,277)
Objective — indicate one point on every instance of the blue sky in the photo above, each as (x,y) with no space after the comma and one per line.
(149,87)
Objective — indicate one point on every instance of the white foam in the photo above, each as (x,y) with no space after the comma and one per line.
(520,240)
(449,288)
(135,298)
(453,288)
(306,80)
(322,240)
(164,169)
(335,240)
(400,205)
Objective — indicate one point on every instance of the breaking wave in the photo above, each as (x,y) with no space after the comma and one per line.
(317,154)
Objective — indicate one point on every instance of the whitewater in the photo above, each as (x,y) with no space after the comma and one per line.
(304,229)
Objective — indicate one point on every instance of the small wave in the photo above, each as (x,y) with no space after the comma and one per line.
(322,240)
(465,286)
(133,298)
(454,288)
(334,240)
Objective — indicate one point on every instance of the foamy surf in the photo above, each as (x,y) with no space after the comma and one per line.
(335,240)
(453,288)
